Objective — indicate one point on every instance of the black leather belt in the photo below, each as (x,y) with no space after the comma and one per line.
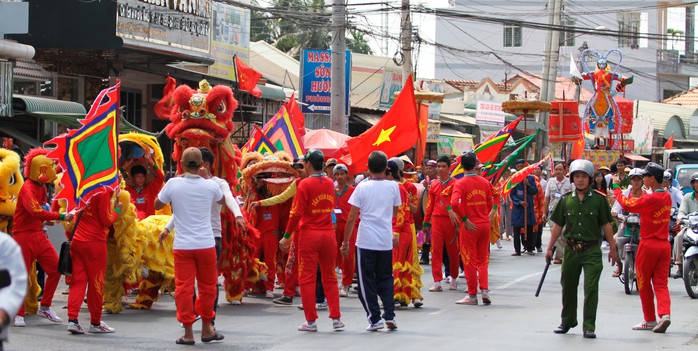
(579,246)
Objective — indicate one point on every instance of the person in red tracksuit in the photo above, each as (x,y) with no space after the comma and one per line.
(268,243)
(312,211)
(472,201)
(654,252)
(343,192)
(29,218)
(442,225)
(88,251)
(143,195)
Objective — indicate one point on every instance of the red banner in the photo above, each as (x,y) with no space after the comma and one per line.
(565,124)
(626,111)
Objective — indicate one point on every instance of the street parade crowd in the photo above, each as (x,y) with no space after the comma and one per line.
(370,227)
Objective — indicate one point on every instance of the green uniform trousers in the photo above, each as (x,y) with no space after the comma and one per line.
(572,265)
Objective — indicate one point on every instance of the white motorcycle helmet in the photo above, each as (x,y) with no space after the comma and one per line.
(636,172)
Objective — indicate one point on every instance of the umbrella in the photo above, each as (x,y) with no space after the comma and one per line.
(331,143)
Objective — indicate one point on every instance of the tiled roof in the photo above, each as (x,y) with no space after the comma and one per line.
(463,85)
(685,98)
(564,86)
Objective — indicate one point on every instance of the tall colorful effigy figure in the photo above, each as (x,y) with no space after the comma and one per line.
(601,113)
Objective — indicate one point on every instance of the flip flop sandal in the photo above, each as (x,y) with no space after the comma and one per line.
(214,337)
(616,274)
(181,341)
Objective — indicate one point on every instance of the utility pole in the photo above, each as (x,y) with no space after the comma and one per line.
(338,118)
(552,55)
(578,89)
(690,30)
(406,40)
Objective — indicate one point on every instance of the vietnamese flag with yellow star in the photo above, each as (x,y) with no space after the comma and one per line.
(88,156)
(396,132)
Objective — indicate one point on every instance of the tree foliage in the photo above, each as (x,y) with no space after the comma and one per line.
(294,25)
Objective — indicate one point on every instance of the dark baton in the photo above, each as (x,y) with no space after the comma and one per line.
(545,272)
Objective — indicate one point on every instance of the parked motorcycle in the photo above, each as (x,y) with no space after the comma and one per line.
(690,254)
(632,231)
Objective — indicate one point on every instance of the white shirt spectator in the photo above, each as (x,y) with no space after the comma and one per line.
(555,190)
(12,296)
(192,199)
(375,200)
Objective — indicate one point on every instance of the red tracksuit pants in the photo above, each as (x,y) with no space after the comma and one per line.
(475,253)
(652,266)
(443,232)
(37,247)
(291,269)
(191,265)
(89,266)
(348,264)
(267,248)
(402,266)
(317,246)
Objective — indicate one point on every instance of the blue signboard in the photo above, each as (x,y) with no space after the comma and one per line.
(316,81)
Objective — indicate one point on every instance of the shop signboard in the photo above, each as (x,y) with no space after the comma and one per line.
(461,145)
(489,113)
(444,146)
(230,37)
(316,81)
(392,83)
(184,24)
(643,135)
(433,130)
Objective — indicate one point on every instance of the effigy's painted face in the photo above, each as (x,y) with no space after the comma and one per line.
(10,181)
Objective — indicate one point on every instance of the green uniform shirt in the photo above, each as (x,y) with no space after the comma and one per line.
(582,220)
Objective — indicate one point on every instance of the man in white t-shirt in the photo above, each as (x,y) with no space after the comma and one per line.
(377,199)
(555,189)
(192,198)
(230,203)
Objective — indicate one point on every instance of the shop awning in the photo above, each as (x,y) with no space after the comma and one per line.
(38,105)
(272,93)
(367,118)
(459,119)
(635,157)
(14,133)
(447,130)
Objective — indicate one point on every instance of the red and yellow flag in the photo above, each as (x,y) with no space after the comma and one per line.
(247,78)
(89,155)
(396,132)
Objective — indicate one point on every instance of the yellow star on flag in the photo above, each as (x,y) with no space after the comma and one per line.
(384,136)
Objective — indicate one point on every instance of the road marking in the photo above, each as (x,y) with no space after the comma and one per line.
(520,279)
(438,312)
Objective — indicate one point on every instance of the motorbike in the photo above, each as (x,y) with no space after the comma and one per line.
(629,252)
(690,254)
(674,229)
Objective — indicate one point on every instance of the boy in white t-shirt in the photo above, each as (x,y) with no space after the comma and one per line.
(377,199)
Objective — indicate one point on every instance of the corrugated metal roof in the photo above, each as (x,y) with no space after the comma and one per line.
(275,65)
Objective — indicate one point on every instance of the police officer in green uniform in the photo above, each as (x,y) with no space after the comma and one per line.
(583,214)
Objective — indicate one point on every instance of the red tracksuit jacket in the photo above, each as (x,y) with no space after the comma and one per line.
(29,216)
(437,200)
(313,205)
(145,199)
(343,205)
(96,219)
(654,210)
(472,197)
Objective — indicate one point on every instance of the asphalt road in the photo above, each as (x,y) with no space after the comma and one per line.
(516,320)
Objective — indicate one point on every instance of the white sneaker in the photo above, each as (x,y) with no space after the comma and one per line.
(453,285)
(49,314)
(308,327)
(376,326)
(447,279)
(391,324)
(343,291)
(75,328)
(461,275)
(663,324)
(102,328)
(436,287)
(486,297)
(645,326)
(19,321)
(499,243)
(269,294)
(236,302)
(321,306)
(337,324)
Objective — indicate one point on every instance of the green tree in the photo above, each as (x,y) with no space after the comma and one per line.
(675,35)
(294,25)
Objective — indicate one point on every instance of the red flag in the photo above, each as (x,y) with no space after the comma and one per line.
(247,78)
(296,115)
(578,148)
(423,126)
(669,143)
(397,131)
